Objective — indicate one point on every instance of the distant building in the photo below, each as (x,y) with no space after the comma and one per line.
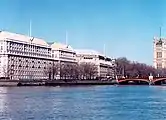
(104,64)
(63,53)
(159,54)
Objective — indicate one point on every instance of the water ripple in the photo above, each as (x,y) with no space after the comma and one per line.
(83,103)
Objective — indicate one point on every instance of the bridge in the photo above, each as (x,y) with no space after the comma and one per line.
(143,80)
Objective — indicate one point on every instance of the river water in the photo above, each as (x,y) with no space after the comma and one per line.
(83,103)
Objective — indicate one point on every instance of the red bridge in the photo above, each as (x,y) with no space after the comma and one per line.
(143,80)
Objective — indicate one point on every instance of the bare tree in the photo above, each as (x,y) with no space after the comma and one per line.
(122,65)
(47,72)
(68,71)
(6,72)
(63,71)
(89,70)
(133,69)
(52,70)
(55,70)
(160,72)
(74,71)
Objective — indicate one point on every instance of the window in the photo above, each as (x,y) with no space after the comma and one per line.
(88,58)
(159,65)
(159,54)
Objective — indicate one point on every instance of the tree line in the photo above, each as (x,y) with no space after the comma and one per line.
(129,69)
(87,70)
(72,71)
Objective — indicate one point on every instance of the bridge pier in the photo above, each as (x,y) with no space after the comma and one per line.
(117,81)
(151,79)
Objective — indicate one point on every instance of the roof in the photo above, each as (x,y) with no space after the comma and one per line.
(88,52)
(56,46)
(22,38)
(50,43)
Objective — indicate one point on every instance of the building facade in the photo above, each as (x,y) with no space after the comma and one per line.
(159,54)
(25,58)
(64,54)
(105,65)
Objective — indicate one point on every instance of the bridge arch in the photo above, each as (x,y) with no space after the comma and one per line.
(136,80)
(159,80)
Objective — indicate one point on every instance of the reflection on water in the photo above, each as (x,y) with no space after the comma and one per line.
(83,103)
(3,99)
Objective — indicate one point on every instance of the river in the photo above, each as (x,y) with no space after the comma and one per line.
(83,103)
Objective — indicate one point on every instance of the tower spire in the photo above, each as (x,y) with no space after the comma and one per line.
(30,31)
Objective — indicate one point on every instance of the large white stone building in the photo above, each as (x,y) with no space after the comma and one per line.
(24,57)
(63,52)
(159,52)
(105,65)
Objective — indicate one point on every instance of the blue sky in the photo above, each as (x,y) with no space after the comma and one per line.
(127,27)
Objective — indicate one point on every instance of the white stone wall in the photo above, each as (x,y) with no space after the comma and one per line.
(3,65)
(29,49)
(27,68)
(23,59)
(104,67)
(63,55)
